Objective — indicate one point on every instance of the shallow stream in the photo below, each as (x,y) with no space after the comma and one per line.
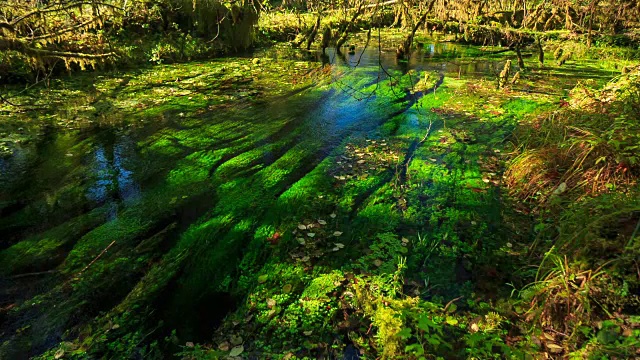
(170,213)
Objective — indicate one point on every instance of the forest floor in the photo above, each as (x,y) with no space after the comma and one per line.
(270,207)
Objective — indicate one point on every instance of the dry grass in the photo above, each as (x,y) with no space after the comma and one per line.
(586,147)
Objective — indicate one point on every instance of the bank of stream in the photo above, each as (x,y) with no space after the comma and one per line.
(278,205)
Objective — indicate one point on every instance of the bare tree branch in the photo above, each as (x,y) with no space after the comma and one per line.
(21,46)
(52,8)
(63,31)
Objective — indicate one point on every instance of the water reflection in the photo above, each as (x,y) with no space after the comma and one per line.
(450,58)
(112,180)
(11,167)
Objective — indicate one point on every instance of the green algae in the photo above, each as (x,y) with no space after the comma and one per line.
(260,175)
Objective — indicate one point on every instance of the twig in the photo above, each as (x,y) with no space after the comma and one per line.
(5,100)
(557,332)
(446,307)
(96,258)
(34,274)
(370,326)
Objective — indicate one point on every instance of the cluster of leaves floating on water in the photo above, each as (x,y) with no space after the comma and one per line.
(360,161)
(316,238)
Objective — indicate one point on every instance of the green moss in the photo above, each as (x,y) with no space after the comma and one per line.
(39,252)
(326,215)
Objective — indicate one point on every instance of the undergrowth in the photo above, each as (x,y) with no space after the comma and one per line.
(577,168)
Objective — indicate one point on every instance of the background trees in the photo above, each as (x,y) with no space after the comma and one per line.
(67,30)
(35,34)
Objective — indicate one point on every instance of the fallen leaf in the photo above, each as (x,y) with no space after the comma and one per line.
(322,222)
(561,188)
(271,303)
(189,344)
(59,354)
(301,241)
(302,227)
(554,349)
(339,245)
(333,216)
(224,346)
(236,351)
(311,235)
(337,233)
(307,333)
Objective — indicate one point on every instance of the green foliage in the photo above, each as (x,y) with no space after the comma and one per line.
(385,253)
(323,237)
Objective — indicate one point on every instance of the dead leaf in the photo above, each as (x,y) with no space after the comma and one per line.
(224,346)
(59,354)
(553,348)
(337,233)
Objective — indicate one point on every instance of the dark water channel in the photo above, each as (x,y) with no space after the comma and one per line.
(71,193)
